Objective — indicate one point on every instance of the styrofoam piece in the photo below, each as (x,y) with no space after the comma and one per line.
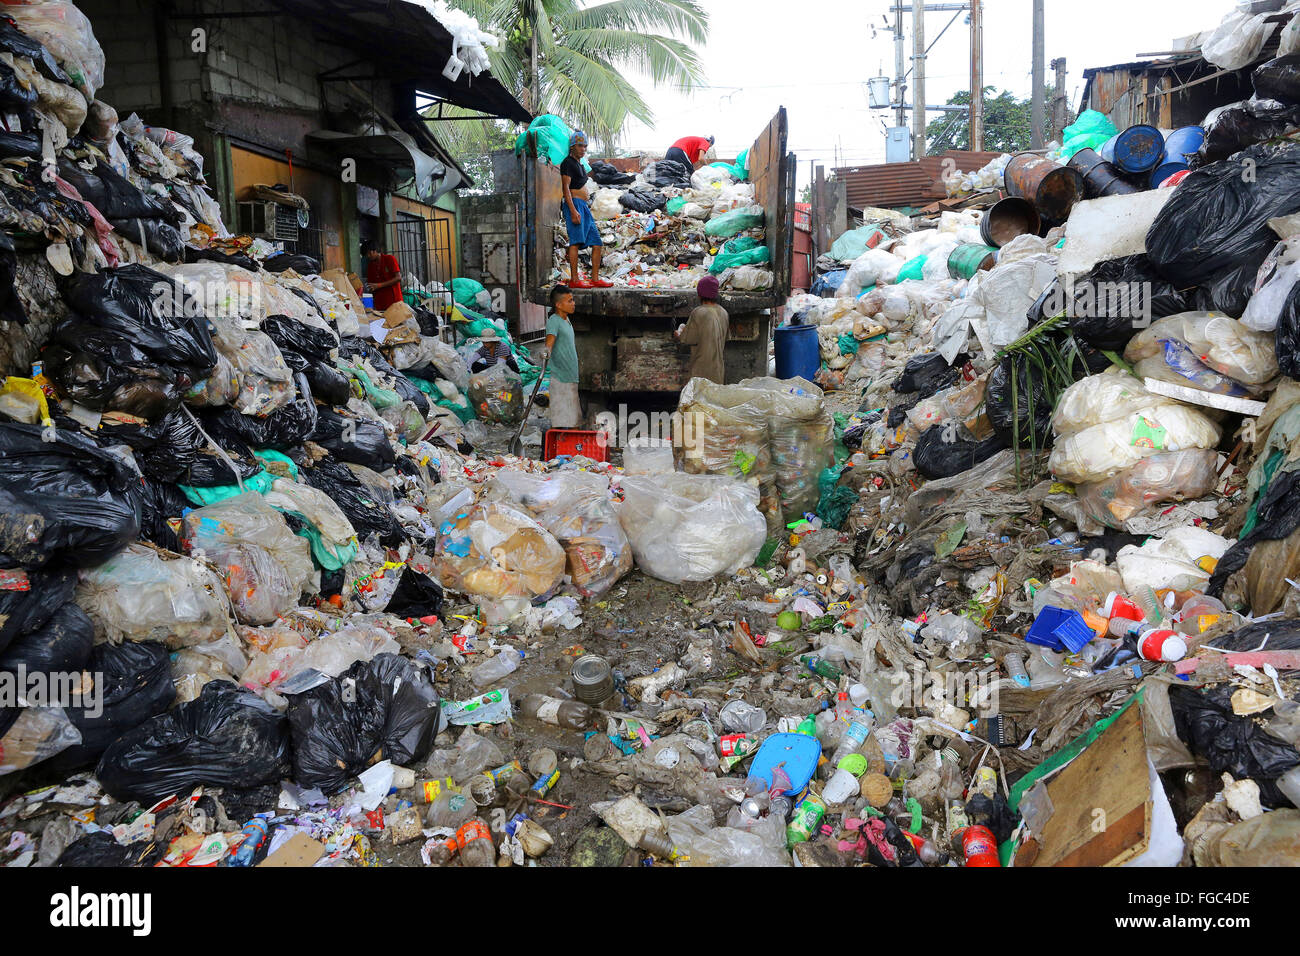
(1109,228)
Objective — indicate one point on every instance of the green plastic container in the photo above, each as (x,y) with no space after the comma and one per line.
(969,258)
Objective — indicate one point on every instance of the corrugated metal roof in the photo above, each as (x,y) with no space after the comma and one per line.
(905,184)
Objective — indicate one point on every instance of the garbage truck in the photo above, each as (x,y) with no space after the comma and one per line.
(624,336)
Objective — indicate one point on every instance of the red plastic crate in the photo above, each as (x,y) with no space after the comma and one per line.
(575,441)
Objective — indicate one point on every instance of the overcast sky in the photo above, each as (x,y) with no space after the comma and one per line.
(814,56)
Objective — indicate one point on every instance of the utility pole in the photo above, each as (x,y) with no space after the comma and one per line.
(976,76)
(1036,114)
(918,89)
(900,64)
(1060,102)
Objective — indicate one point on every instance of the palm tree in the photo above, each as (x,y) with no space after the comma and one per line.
(573,60)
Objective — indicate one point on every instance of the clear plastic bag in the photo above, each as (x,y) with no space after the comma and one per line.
(873,267)
(1098,452)
(802,434)
(576,508)
(66,33)
(192,667)
(691,527)
(1238,40)
(38,734)
(266,565)
(337,536)
(139,595)
(265,382)
(1179,474)
(497,395)
(495,551)
(1223,344)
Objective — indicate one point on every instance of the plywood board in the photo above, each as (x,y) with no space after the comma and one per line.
(1101,801)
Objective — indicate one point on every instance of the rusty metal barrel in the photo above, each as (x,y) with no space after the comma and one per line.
(1051,187)
(1008,218)
(1100,178)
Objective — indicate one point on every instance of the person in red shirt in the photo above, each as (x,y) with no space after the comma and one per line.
(383,275)
(689,151)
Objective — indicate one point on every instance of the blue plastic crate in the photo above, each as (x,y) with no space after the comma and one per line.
(1060,630)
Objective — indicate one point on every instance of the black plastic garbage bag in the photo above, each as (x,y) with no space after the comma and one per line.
(304,265)
(366,513)
(1113,301)
(22,612)
(669,172)
(214,255)
(1242,126)
(1203,719)
(101,849)
(14,97)
(1286,337)
(898,411)
(115,198)
(287,333)
(926,374)
(1214,230)
(285,428)
(416,595)
(1030,406)
(19,144)
(210,469)
(161,239)
(103,371)
(643,199)
(11,307)
(607,174)
(164,449)
(383,709)
(133,682)
(944,451)
(157,502)
(359,441)
(329,384)
(150,310)
(63,643)
(1279,79)
(1283,635)
(353,347)
(227,737)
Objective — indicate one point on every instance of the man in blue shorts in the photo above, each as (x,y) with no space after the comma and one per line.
(578,218)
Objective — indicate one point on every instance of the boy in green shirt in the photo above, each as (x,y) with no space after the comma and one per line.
(563,366)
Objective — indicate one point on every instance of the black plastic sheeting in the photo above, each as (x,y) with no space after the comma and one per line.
(1203,719)
(1004,413)
(302,264)
(1099,317)
(62,644)
(24,612)
(1278,79)
(942,452)
(385,706)
(360,441)
(226,737)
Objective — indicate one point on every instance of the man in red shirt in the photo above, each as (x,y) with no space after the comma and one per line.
(383,275)
(689,151)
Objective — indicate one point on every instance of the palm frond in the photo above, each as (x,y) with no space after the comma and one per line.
(662,59)
(591,92)
(684,18)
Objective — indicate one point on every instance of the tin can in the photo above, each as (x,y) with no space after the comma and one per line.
(431,790)
(593,681)
(504,771)
(543,785)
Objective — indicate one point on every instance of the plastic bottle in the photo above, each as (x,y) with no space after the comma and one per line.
(561,713)
(823,668)
(854,736)
(1146,599)
(254,837)
(450,810)
(1015,664)
(807,816)
(980,847)
(951,784)
(474,840)
(492,670)
(807,726)
(659,845)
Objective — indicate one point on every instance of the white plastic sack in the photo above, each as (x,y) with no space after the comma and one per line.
(1172,561)
(1238,40)
(710,177)
(873,267)
(1100,451)
(1007,292)
(1266,305)
(1220,342)
(691,527)
(606,204)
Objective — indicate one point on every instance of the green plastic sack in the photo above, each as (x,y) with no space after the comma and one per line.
(912,269)
(855,242)
(1089,131)
(741,244)
(729,260)
(268,454)
(739,170)
(676,205)
(465,291)
(463,412)
(381,398)
(848,344)
(835,501)
(553,136)
(1095,141)
(736,221)
(260,482)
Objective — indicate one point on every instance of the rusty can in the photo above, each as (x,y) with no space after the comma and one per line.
(1051,187)
(1008,218)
